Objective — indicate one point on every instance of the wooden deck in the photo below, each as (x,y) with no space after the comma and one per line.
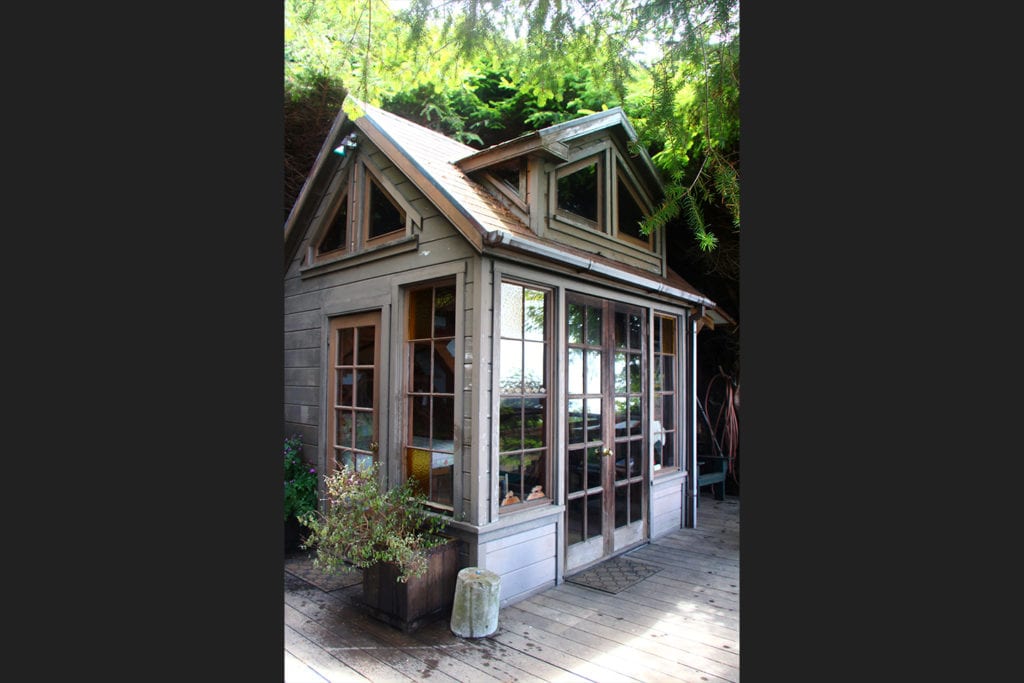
(680,624)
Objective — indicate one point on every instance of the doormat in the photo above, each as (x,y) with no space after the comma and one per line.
(614,575)
(302,567)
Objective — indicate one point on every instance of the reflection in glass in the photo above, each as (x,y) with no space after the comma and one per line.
(574,525)
(444,418)
(420,419)
(635,502)
(594,335)
(444,367)
(533,367)
(510,424)
(510,365)
(444,312)
(533,322)
(511,311)
(574,418)
(345,346)
(345,387)
(594,514)
(365,354)
(419,314)
(593,370)
(574,323)
(621,506)
(593,419)
(344,422)
(593,467)
(364,388)
(575,482)
(364,430)
(620,373)
(578,192)
(421,367)
(575,371)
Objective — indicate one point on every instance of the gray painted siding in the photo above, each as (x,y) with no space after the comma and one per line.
(525,561)
(666,506)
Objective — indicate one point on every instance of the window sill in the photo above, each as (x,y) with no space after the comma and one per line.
(348,260)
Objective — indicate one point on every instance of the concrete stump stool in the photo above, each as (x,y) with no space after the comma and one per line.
(475,609)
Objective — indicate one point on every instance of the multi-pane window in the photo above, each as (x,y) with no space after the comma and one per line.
(430,444)
(663,432)
(523,434)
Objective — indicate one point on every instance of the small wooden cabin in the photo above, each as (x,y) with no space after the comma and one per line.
(493,324)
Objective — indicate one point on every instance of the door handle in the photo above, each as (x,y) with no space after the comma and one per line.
(606,452)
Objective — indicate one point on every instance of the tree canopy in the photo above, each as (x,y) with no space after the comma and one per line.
(483,71)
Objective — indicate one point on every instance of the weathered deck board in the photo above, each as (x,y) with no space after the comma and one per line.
(680,624)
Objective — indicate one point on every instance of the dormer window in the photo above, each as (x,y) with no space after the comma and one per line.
(578,190)
(630,214)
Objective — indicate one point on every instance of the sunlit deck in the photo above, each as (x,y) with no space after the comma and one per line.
(680,624)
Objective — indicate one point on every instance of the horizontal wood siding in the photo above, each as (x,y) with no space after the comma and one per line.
(525,561)
(666,507)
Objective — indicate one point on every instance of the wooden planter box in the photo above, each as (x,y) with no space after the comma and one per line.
(421,599)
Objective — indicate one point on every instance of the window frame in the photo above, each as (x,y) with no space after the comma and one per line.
(600,161)
(549,395)
(658,469)
(409,394)
(622,177)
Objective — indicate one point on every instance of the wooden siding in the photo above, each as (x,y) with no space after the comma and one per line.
(666,505)
(525,561)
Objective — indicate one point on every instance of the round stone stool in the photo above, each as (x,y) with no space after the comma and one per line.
(475,609)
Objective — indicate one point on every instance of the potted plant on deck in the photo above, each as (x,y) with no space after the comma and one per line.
(300,497)
(409,565)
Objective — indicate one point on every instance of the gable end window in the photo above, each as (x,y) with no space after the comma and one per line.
(336,237)
(383,215)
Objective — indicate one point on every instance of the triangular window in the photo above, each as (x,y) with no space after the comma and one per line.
(384,215)
(336,236)
(630,214)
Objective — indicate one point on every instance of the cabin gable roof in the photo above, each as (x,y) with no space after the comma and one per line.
(443,170)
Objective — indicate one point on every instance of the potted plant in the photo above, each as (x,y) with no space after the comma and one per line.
(300,496)
(409,565)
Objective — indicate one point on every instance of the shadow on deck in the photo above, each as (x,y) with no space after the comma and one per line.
(680,623)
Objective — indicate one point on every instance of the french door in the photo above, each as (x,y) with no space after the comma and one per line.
(353,351)
(606,445)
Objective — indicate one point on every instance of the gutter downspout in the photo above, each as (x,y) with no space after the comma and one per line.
(496,238)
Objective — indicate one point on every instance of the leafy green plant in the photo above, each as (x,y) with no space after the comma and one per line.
(364,524)
(299,481)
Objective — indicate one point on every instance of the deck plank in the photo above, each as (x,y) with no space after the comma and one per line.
(680,624)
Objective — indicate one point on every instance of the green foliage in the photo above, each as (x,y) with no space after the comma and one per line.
(365,524)
(299,481)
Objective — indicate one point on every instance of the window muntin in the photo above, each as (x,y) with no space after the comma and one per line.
(524,406)
(664,430)
(430,395)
